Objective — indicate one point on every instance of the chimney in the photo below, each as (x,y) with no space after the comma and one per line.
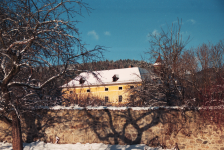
(130,66)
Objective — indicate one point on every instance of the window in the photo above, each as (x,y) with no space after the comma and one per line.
(120,88)
(106,89)
(88,99)
(81,81)
(115,77)
(131,87)
(106,99)
(132,99)
(120,98)
(88,90)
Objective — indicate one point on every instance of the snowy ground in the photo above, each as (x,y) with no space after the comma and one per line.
(77,146)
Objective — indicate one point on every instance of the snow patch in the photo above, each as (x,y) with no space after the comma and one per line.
(76,107)
(78,146)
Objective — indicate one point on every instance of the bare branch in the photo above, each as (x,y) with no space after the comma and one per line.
(6,120)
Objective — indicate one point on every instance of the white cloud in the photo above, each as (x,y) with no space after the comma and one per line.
(155,32)
(93,34)
(192,21)
(162,25)
(174,22)
(107,33)
(150,35)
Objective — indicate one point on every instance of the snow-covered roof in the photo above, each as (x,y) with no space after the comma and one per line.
(105,77)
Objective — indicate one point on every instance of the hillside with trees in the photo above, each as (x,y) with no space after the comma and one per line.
(110,64)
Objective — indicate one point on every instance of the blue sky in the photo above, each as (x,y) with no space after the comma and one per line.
(123,25)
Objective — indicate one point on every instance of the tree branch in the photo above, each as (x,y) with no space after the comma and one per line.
(6,120)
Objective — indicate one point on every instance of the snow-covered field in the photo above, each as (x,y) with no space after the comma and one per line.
(77,146)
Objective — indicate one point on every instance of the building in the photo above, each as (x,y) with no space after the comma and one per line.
(158,65)
(111,86)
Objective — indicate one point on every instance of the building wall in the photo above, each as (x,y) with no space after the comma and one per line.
(113,92)
(152,127)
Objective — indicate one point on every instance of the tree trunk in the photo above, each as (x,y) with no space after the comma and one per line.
(17,142)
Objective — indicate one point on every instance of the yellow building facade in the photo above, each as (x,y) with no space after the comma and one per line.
(110,86)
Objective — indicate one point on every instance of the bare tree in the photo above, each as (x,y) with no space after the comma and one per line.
(188,68)
(210,59)
(35,36)
(210,82)
(169,45)
(150,92)
(184,72)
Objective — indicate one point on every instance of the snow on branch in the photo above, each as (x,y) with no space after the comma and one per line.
(76,107)
(52,78)
(11,84)
(20,42)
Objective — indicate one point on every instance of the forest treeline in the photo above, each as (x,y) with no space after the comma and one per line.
(110,64)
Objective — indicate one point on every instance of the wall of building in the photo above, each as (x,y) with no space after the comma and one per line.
(113,93)
(151,127)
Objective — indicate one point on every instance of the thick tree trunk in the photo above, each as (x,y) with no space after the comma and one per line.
(17,142)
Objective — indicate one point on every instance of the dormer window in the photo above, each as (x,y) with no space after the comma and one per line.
(81,80)
(115,77)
